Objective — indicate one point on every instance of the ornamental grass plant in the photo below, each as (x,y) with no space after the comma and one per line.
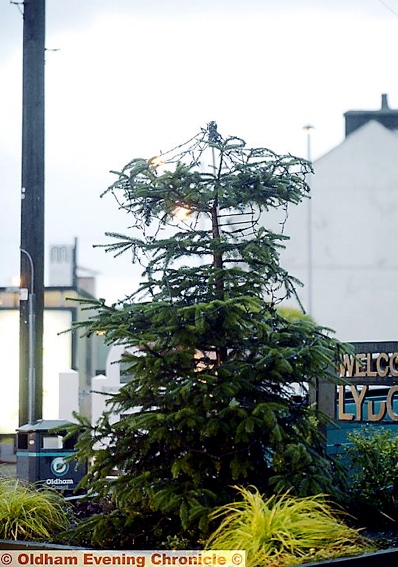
(284,530)
(28,512)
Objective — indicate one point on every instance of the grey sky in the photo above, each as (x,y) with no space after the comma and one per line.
(134,77)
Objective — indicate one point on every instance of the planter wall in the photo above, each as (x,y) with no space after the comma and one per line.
(13,544)
(385,558)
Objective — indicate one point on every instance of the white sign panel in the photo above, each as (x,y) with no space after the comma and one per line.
(57,357)
(61,265)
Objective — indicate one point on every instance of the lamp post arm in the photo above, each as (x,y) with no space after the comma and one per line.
(32,269)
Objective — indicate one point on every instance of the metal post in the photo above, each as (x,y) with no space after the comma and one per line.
(310,266)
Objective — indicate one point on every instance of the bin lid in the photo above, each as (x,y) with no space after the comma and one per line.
(44,425)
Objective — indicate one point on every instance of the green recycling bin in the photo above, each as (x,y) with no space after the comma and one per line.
(44,456)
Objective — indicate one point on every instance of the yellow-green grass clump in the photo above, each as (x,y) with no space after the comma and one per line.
(28,512)
(284,530)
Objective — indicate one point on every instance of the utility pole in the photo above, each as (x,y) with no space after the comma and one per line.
(32,215)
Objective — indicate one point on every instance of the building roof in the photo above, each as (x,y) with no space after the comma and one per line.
(386,116)
(372,145)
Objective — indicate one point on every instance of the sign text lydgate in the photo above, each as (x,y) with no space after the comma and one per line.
(374,364)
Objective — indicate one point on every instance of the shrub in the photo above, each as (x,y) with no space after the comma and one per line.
(29,512)
(372,459)
(284,530)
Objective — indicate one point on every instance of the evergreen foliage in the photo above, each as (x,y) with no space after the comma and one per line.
(213,363)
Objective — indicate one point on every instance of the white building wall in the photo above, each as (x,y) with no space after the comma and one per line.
(104,386)
(354,210)
(68,402)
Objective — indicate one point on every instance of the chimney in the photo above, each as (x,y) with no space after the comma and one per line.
(386,116)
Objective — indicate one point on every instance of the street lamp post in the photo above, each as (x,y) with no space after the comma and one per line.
(29,295)
(308,129)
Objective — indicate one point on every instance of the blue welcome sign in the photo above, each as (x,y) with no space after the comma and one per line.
(369,395)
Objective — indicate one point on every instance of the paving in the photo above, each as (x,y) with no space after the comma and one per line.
(8,467)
